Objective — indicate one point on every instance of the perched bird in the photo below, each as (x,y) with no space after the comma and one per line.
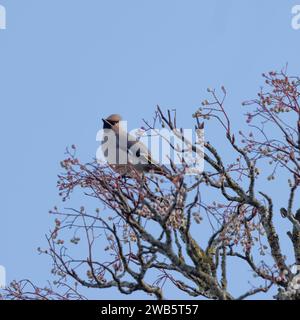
(125,153)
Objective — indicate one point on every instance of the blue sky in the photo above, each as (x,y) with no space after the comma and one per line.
(65,64)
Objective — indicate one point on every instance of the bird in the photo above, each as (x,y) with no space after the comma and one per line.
(129,156)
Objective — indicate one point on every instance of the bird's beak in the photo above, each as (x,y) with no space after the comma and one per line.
(105,121)
(106,124)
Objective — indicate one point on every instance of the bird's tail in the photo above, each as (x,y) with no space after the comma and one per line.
(164,171)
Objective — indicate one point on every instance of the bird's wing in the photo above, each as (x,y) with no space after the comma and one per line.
(139,150)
